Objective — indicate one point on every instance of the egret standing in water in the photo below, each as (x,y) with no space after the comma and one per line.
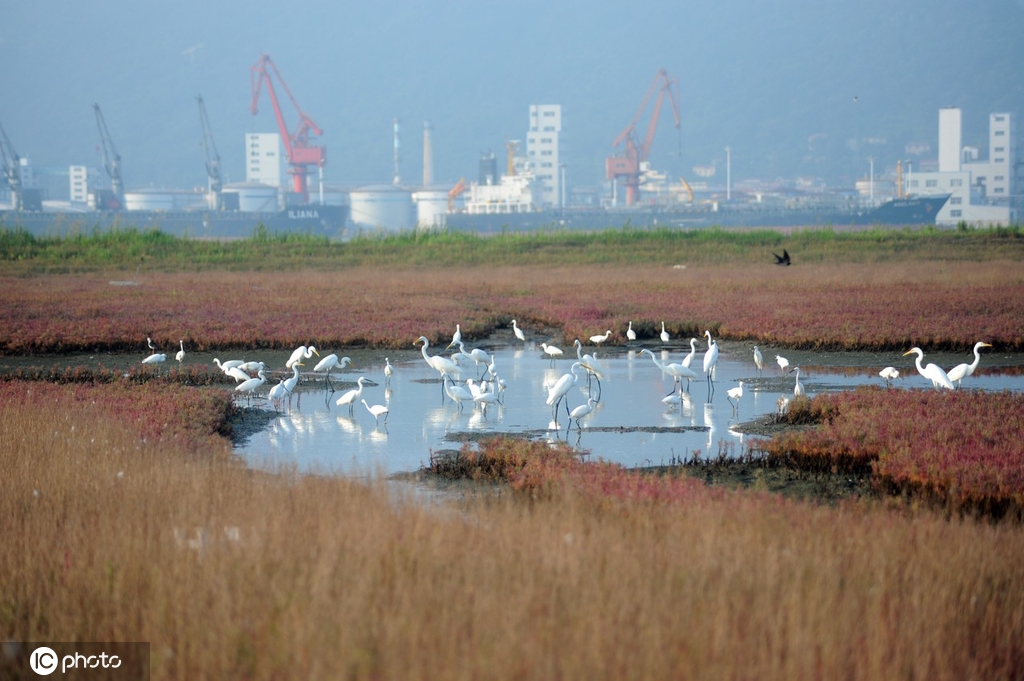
(551,351)
(328,363)
(962,371)
(388,370)
(377,410)
(710,362)
(592,366)
(456,337)
(558,391)
(441,365)
(664,334)
(155,358)
(758,360)
(293,380)
(630,333)
(581,411)
(889,374)
(798,388)
(349,397)
(782,362)
(932,372)
(601,338)
(677,371)
(250,387)
(518,332)
(300,353)
(735,394)
(181,353)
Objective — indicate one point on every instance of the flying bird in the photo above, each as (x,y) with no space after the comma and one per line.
(781,259)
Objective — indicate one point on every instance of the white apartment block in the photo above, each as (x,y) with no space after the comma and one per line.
(263,156)
(80,180)
(545,152)
(983,191)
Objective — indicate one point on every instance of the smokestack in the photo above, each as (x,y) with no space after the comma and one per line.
(428,155)
(398,178)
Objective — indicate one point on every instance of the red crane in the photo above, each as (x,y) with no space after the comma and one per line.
(301,154)
(625,166)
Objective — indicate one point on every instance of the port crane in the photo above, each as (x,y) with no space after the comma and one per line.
(212,157)
(300,152)
(625,165)
(11,167)
(111,163)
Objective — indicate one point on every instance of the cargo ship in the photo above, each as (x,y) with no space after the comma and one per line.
(909,211)
(315,219)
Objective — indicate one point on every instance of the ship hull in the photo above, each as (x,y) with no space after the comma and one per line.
(897,212)
(316,220)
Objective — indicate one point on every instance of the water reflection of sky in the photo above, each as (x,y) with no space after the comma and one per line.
(630,425)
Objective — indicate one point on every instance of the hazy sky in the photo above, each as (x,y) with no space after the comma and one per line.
(776,80)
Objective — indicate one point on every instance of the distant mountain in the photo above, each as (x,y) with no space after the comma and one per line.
(793,88)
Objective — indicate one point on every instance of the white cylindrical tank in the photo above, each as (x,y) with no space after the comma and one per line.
(254,198)
(431,208)
(382,206)
(150,199)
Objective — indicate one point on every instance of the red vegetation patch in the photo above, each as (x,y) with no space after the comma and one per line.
(159,412)
(960,449)
(853,307)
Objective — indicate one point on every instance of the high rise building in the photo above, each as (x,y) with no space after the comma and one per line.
(545,152)
(263,158)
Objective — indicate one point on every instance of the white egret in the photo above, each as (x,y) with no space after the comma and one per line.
(710,359)
(456,337)
(962,371)
(630,333)
(601,338)
(758,360)
(486,396)
(278,393)
(293,380)
(476,354)
(693,351)
(591,364)
(180,355)
(329,362)
(228,364)
(349,397)
(798,387)
(300,353)
(377,410)
(932,372)
(677,371)
(581,411)
(388,370)
(735,394)
(561,387)
(517,331)
(458,393)
(237,374)
(441,365)
(252,385)
(249,367)
(890,374)
(664,334)
(551,351)
(155,358)
(782,362)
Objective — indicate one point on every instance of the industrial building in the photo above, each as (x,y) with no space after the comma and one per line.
(985,189)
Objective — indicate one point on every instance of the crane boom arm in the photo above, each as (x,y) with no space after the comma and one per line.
(296,143)
(111,159)
(210,148)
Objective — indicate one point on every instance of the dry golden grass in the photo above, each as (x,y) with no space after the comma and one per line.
(234,574)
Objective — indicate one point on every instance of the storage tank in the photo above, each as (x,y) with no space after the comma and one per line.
(382,206)
(150,199)
(252,197)
(431,208)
